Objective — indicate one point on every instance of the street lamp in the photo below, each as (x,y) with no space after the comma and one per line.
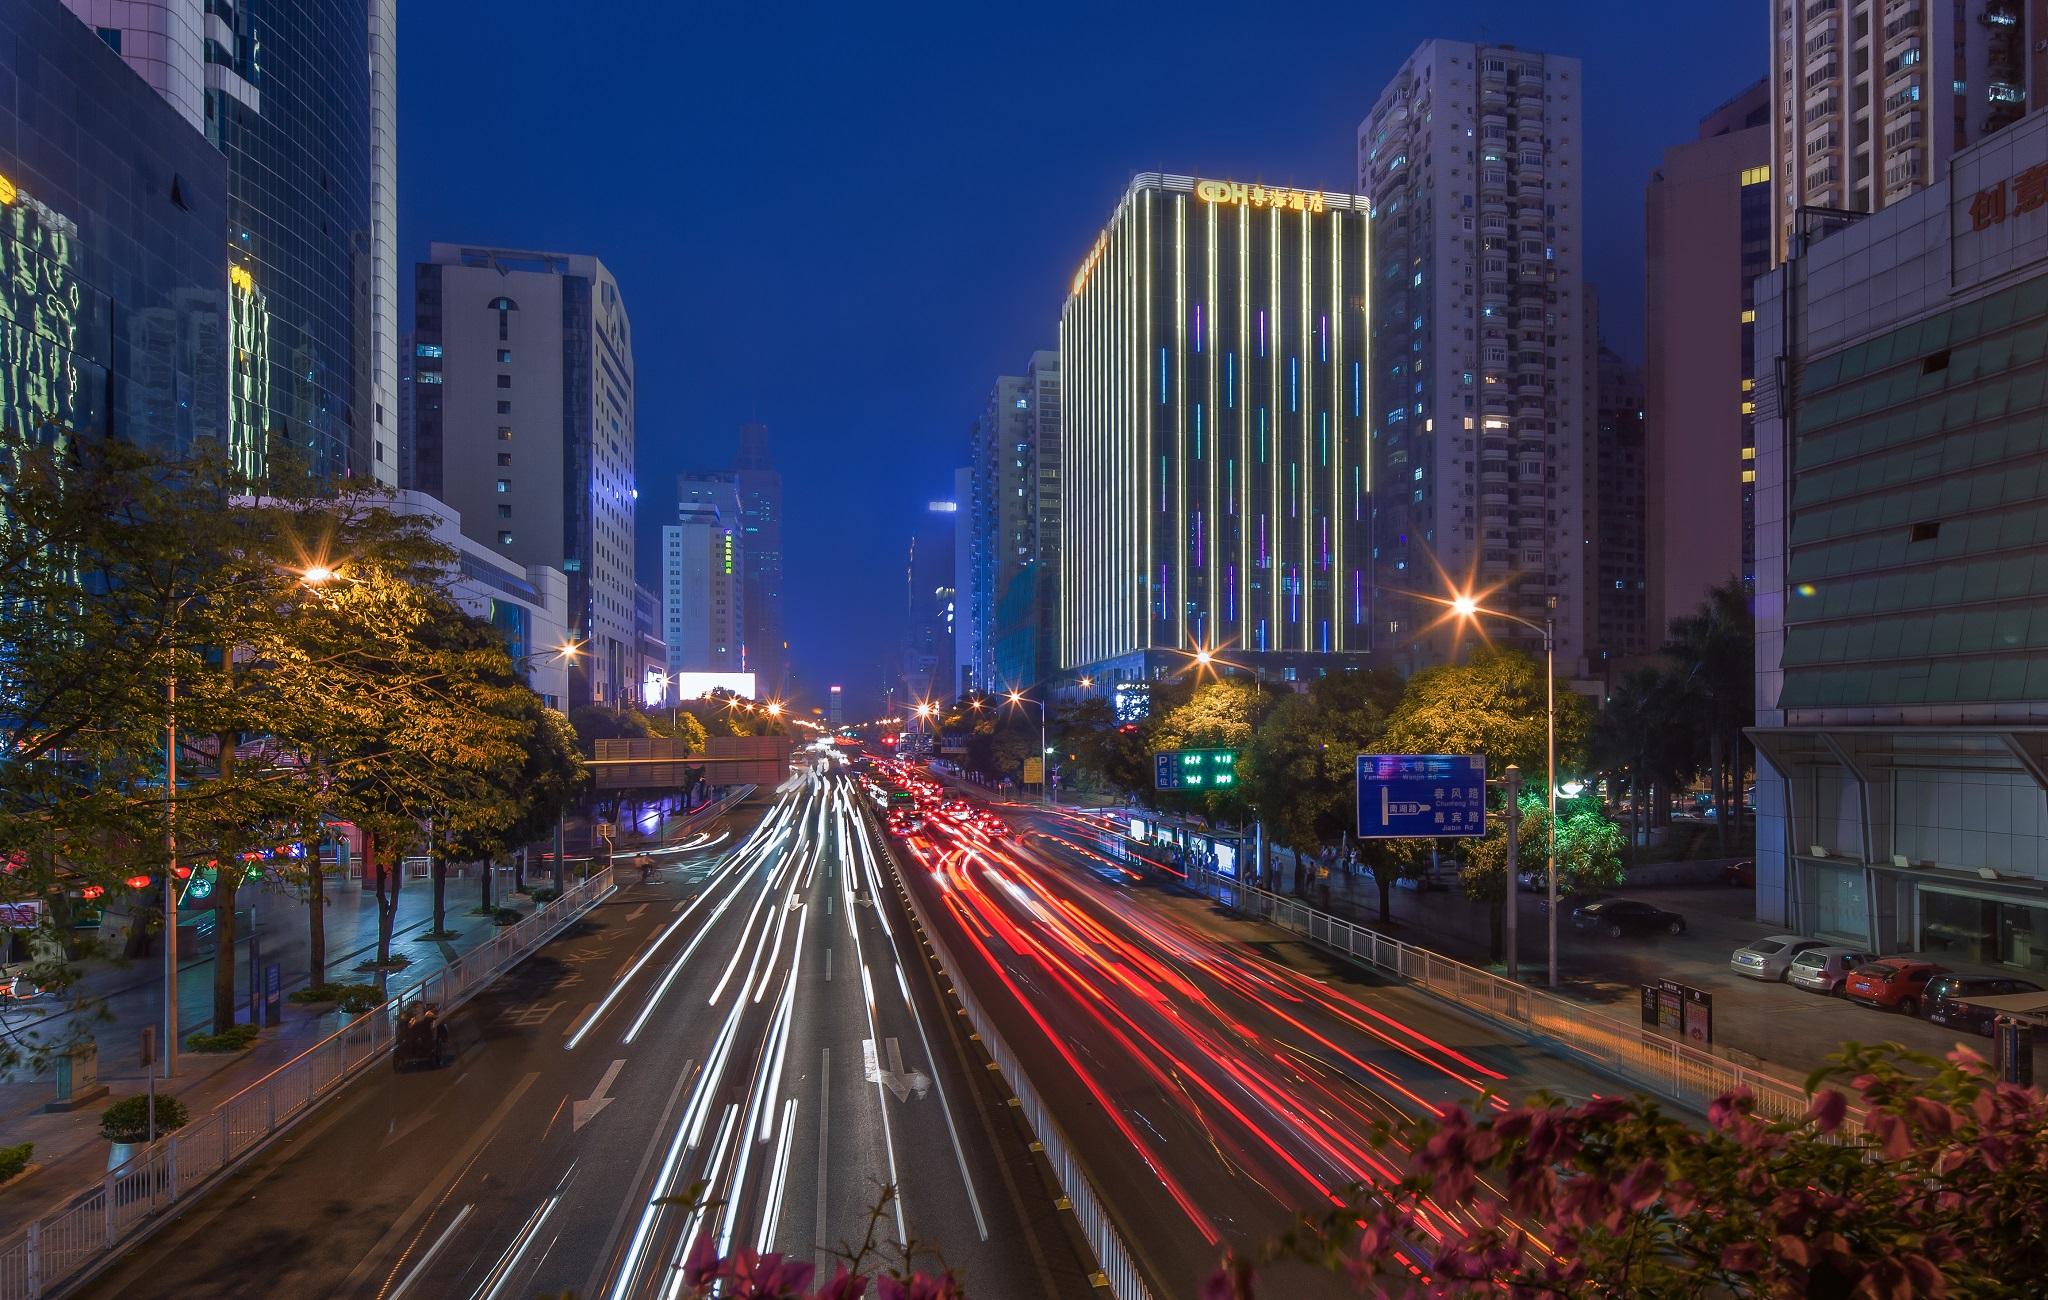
(1044,762)
(1466,606)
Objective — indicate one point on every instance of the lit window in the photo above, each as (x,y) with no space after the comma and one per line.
(427,350)
(504,537)
(504,485)
(504,356)
(1749,316)
(504,433)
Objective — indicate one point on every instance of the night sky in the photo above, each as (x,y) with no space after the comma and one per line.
(850,219)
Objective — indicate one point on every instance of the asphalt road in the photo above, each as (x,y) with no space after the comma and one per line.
(756,1020)
(1215,1076)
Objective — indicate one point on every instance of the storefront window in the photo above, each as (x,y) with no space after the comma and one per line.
(1842,909)
(1958,926)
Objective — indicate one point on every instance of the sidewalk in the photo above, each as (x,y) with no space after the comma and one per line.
(70,1155)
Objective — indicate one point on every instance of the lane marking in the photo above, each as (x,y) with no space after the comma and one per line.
(427,1259)
(824,1118)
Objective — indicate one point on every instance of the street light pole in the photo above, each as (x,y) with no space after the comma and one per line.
(1550,745)
(1467,607)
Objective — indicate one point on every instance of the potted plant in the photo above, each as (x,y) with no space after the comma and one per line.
(126,1124)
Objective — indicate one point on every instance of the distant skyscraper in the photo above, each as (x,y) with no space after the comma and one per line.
(299,94)
(1003,534)
(930,606)
(1707,236)
(1871,98)
(1213,430)
(835,708)
(1620,628)
(1042,391)
(1480,371)
(703,581)
(760,492)
(523,421)
(968,631)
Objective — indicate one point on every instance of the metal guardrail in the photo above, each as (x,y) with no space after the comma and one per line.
(1119,1269)
(1676,1070)
(67,1246)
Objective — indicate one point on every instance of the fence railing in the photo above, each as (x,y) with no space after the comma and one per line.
(1119,1269)
(62,1247)
(1673,1069)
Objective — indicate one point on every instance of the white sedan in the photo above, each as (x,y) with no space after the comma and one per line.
(1770,957)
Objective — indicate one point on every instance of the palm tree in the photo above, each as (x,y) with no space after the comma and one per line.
(1714,652)
(1639,739)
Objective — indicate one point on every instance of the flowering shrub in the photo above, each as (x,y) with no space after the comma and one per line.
(753,1275)
(1936,1192)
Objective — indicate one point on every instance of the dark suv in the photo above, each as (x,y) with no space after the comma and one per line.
(1948,999)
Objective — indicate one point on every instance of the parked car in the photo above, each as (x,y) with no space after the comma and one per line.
(1770,957)
(1891,983)
(1824,970)
(1947,999)
(1740,874)
(1620,916)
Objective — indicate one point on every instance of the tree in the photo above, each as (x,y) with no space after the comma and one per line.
(1642,740)
(1493,704)
(1713,651)
(1932,1190)
(1111,753)
(1217,715)
(1300,768)
(1589,853)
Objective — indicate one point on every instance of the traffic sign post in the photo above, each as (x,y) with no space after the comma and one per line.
(1194,769)
(1426,796)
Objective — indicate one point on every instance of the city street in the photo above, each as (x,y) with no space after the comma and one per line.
(754,1022)
(1215,1077)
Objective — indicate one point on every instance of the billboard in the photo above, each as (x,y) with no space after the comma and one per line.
(695,686)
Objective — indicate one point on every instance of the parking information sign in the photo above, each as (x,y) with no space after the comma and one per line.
(1402,796)
(1194,769)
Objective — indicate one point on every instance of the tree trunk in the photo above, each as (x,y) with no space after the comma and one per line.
(1383,877)
(519,869)
(387,894)
(226,880)
(316,920)
(490,871)
(437,869)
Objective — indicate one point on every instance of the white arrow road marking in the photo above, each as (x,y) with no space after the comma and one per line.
(586,1109)
(896,1079)
(634,915)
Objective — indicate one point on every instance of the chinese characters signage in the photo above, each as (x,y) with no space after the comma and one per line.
(2028,190)
(1427,795)
(1259,196)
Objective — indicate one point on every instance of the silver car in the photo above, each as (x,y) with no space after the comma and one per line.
(1768,958)
(1822,970)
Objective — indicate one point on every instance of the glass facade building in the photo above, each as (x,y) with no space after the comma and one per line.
(114,297)
(1902,569)
(1214,480)
(289,104)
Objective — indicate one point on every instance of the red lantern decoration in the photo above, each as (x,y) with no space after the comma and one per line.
(137,882)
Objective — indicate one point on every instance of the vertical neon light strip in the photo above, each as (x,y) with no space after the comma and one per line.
(1307,614)
(1180,420)
(1271,451)
(1334,567)
(1212,578)
(1144,292)
(1243,409)
(1363,465)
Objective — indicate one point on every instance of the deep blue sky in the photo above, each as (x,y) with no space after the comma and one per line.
(851,218)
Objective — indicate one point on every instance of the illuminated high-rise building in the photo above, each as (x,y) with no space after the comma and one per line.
(523,421)
(703,578)
(1480,365)
(1214,430)
(300,95)
(1871,98)
(113,274)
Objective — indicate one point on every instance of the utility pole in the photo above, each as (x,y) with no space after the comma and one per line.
(1514,784)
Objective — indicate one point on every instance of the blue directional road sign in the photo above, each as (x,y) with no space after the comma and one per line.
(1403,796)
